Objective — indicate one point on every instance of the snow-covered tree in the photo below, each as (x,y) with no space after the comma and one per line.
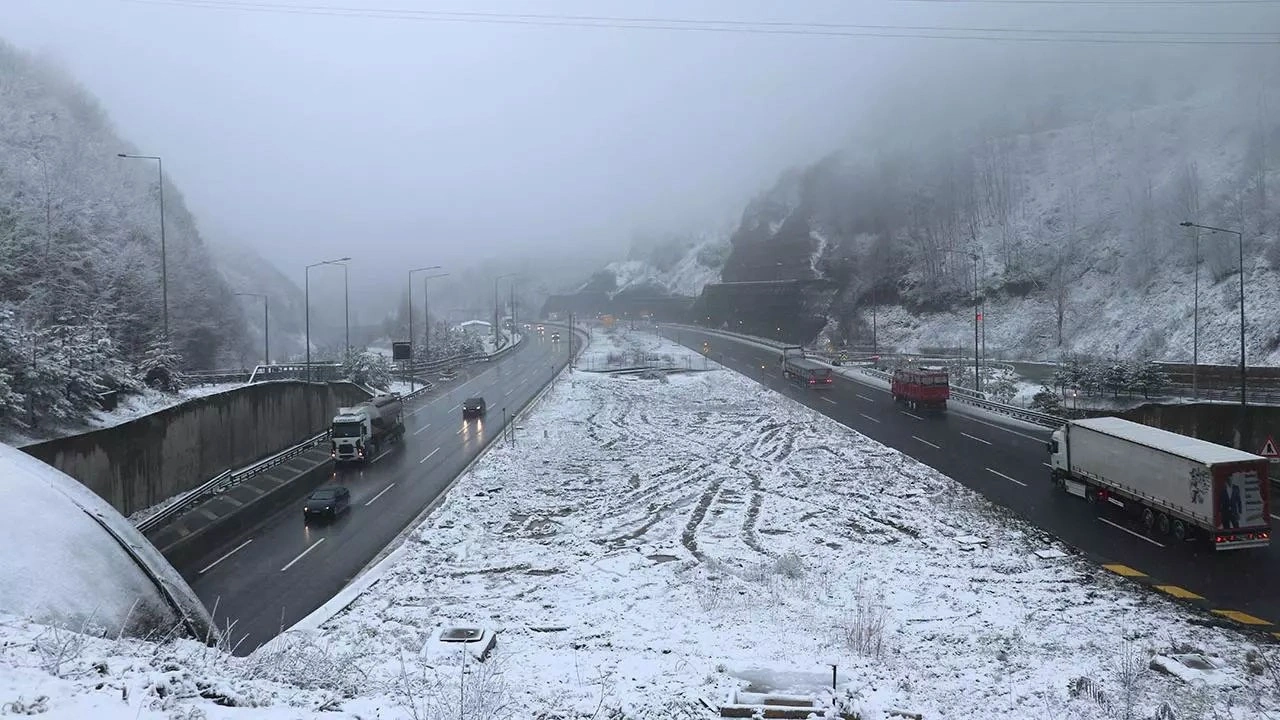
(159,367)
(1047,401)
(367,368)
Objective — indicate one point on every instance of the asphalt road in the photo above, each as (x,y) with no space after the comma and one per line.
(277,573)
(1007,462)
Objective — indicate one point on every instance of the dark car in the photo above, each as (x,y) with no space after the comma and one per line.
(327,503)
(474,407)
(555,337)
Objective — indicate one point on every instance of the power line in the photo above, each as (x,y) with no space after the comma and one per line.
(846,30)
(1116,3)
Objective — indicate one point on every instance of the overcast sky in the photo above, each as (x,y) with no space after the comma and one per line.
(403,142)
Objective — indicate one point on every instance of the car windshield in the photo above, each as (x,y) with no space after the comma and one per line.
(324,495)
(346,429)
(474,402)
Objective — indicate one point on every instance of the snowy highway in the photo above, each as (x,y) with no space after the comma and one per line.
(277,573)
(1006,461)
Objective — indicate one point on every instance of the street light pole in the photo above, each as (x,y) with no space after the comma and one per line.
(307,301)
(266,327)
(1244,399)
(977,349)
(346,309)
(164,263)
(410,301)
(496,320)
(426,313)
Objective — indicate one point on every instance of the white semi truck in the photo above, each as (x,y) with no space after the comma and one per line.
(359,432)
(1174,485)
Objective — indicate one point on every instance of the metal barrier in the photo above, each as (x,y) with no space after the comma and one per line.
(231,478)
(227,480)
(969,397)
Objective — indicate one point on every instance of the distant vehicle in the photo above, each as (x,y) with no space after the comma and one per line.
(806,371)
(541,329)
(357,433)
(921,388)
(555,337)
(474,407)
(326,503)
(1174,485)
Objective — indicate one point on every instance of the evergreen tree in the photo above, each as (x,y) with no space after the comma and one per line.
(367,368)
(160,367)
(1047,401)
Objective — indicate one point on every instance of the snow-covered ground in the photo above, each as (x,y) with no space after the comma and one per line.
(649,546)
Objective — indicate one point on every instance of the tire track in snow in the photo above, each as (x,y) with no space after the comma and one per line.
(688,538)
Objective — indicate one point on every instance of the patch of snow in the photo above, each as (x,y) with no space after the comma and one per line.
(134,406)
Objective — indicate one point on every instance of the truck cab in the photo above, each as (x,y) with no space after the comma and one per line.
(352,430)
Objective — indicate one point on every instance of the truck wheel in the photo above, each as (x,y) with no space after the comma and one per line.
(1179,531)
(1148,519)
(1162,524)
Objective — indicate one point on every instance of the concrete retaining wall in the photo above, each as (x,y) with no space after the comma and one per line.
(1214,422)
(143,462)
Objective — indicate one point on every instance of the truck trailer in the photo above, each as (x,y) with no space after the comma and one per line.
(359,432)
(803,370)
(924,388)
(1174,485)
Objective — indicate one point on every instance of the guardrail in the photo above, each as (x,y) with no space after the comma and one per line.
(231,478)
(227,480)
(969,397)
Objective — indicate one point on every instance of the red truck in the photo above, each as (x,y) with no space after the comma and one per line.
(926,388)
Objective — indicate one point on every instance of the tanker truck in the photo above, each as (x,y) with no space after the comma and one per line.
(360,432)
(1175,486)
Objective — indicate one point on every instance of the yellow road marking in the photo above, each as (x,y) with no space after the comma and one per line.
(1242,618)
(1124,570)
(1178,592)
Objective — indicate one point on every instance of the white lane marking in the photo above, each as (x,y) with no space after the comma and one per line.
(833,402)
(508,393)
(1015,432)
(1006,477)
(302,554)
(375,497)
(381,455)
(1273,517)
(239,547)
(971,437)
(904,412)
(926,442)
(869,418)
(864,397)
(464,427)
(421,429)
(455,407)
(1140,536)
(1047,465)
(428,457)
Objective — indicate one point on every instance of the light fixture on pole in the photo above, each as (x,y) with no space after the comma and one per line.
(1244,400)
(411,273)
(266,325)
(307,301)
(164,262)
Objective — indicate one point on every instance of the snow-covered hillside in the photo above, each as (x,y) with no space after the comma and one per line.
(675,266)
(1076,230)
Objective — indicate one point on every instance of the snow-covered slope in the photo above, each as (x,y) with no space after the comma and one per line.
(674,266)
(1076,227)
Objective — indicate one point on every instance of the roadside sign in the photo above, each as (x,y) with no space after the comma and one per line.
(1269,448)
(401,351)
